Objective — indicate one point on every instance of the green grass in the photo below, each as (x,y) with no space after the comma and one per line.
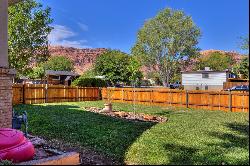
(189,137)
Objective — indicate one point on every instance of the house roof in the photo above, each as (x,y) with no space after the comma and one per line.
(68,73)
(12,2)
(205,71)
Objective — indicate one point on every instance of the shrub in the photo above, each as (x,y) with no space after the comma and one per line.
(89,82)
(145,83)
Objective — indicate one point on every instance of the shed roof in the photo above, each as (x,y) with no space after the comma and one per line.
(205,71)
(68,73)
(12,2)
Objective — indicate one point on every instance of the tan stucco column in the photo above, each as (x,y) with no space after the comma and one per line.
(4,34)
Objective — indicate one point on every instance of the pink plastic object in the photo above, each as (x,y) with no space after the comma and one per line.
(14,146)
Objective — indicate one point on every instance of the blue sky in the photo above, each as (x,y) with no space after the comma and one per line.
(115,23)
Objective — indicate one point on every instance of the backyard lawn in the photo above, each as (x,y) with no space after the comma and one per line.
(188,137)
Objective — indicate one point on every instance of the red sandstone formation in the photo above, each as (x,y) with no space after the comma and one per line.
(83,59)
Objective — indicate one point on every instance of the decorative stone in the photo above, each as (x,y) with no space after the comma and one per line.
(107,108)
(148,117)
(36,141)
(121,114)
(127,115)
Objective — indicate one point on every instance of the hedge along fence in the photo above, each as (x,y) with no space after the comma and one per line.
(37,94)
(209,100)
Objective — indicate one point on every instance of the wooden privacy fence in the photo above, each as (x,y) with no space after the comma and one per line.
(227,85)
(209,100)
(36,94)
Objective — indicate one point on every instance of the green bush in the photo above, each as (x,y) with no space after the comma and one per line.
(145,83)
(89,82)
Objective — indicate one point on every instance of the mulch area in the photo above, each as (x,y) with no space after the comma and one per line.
(128,115)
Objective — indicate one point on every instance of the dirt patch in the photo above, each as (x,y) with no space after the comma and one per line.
(87,156)
(48,148)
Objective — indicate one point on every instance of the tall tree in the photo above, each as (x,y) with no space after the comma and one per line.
(166,40)
(59,63)
(117,66)
(216,61)
(56,63)
(242,69)
(244,43)
(29,26)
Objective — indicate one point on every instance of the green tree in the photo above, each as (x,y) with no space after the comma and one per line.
(89,74)
(28,35)
(166,40)
(242,69)
(116,66)
(37,72)
(244,43)
(134,69)
(59,63)
(216,61)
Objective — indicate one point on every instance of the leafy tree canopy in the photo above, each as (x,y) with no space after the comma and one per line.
(117,66)
(216,61)
(29,27)
(245,43)
(165,40)
(89,74)
(56,63)
(242,69)
(59,63)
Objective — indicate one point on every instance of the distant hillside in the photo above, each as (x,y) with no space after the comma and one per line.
(236,56)
(83,58)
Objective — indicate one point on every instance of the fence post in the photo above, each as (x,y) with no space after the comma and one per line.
(230,101)
(243,104)
(187,99)
(77,94)
(122,95)
(23,93)
(99,93)
(46,93)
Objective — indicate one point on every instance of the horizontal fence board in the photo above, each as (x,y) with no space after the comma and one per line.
(209,100)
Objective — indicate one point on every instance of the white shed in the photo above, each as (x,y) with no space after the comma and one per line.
(205,79)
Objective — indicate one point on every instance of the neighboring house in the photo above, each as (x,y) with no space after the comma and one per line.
(205,79)
(60,77)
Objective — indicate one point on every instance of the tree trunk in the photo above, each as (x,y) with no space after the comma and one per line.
(165,84)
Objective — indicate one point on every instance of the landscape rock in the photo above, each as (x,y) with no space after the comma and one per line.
(128,115)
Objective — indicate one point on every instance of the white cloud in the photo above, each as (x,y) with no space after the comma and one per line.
(83,27)
(61,35)
(60,32)
(75,44)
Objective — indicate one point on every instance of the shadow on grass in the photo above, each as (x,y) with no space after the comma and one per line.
(110,136)
(216,153)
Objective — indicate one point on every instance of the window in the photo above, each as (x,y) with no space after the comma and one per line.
(206,87)
(205,75)
(55,77)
